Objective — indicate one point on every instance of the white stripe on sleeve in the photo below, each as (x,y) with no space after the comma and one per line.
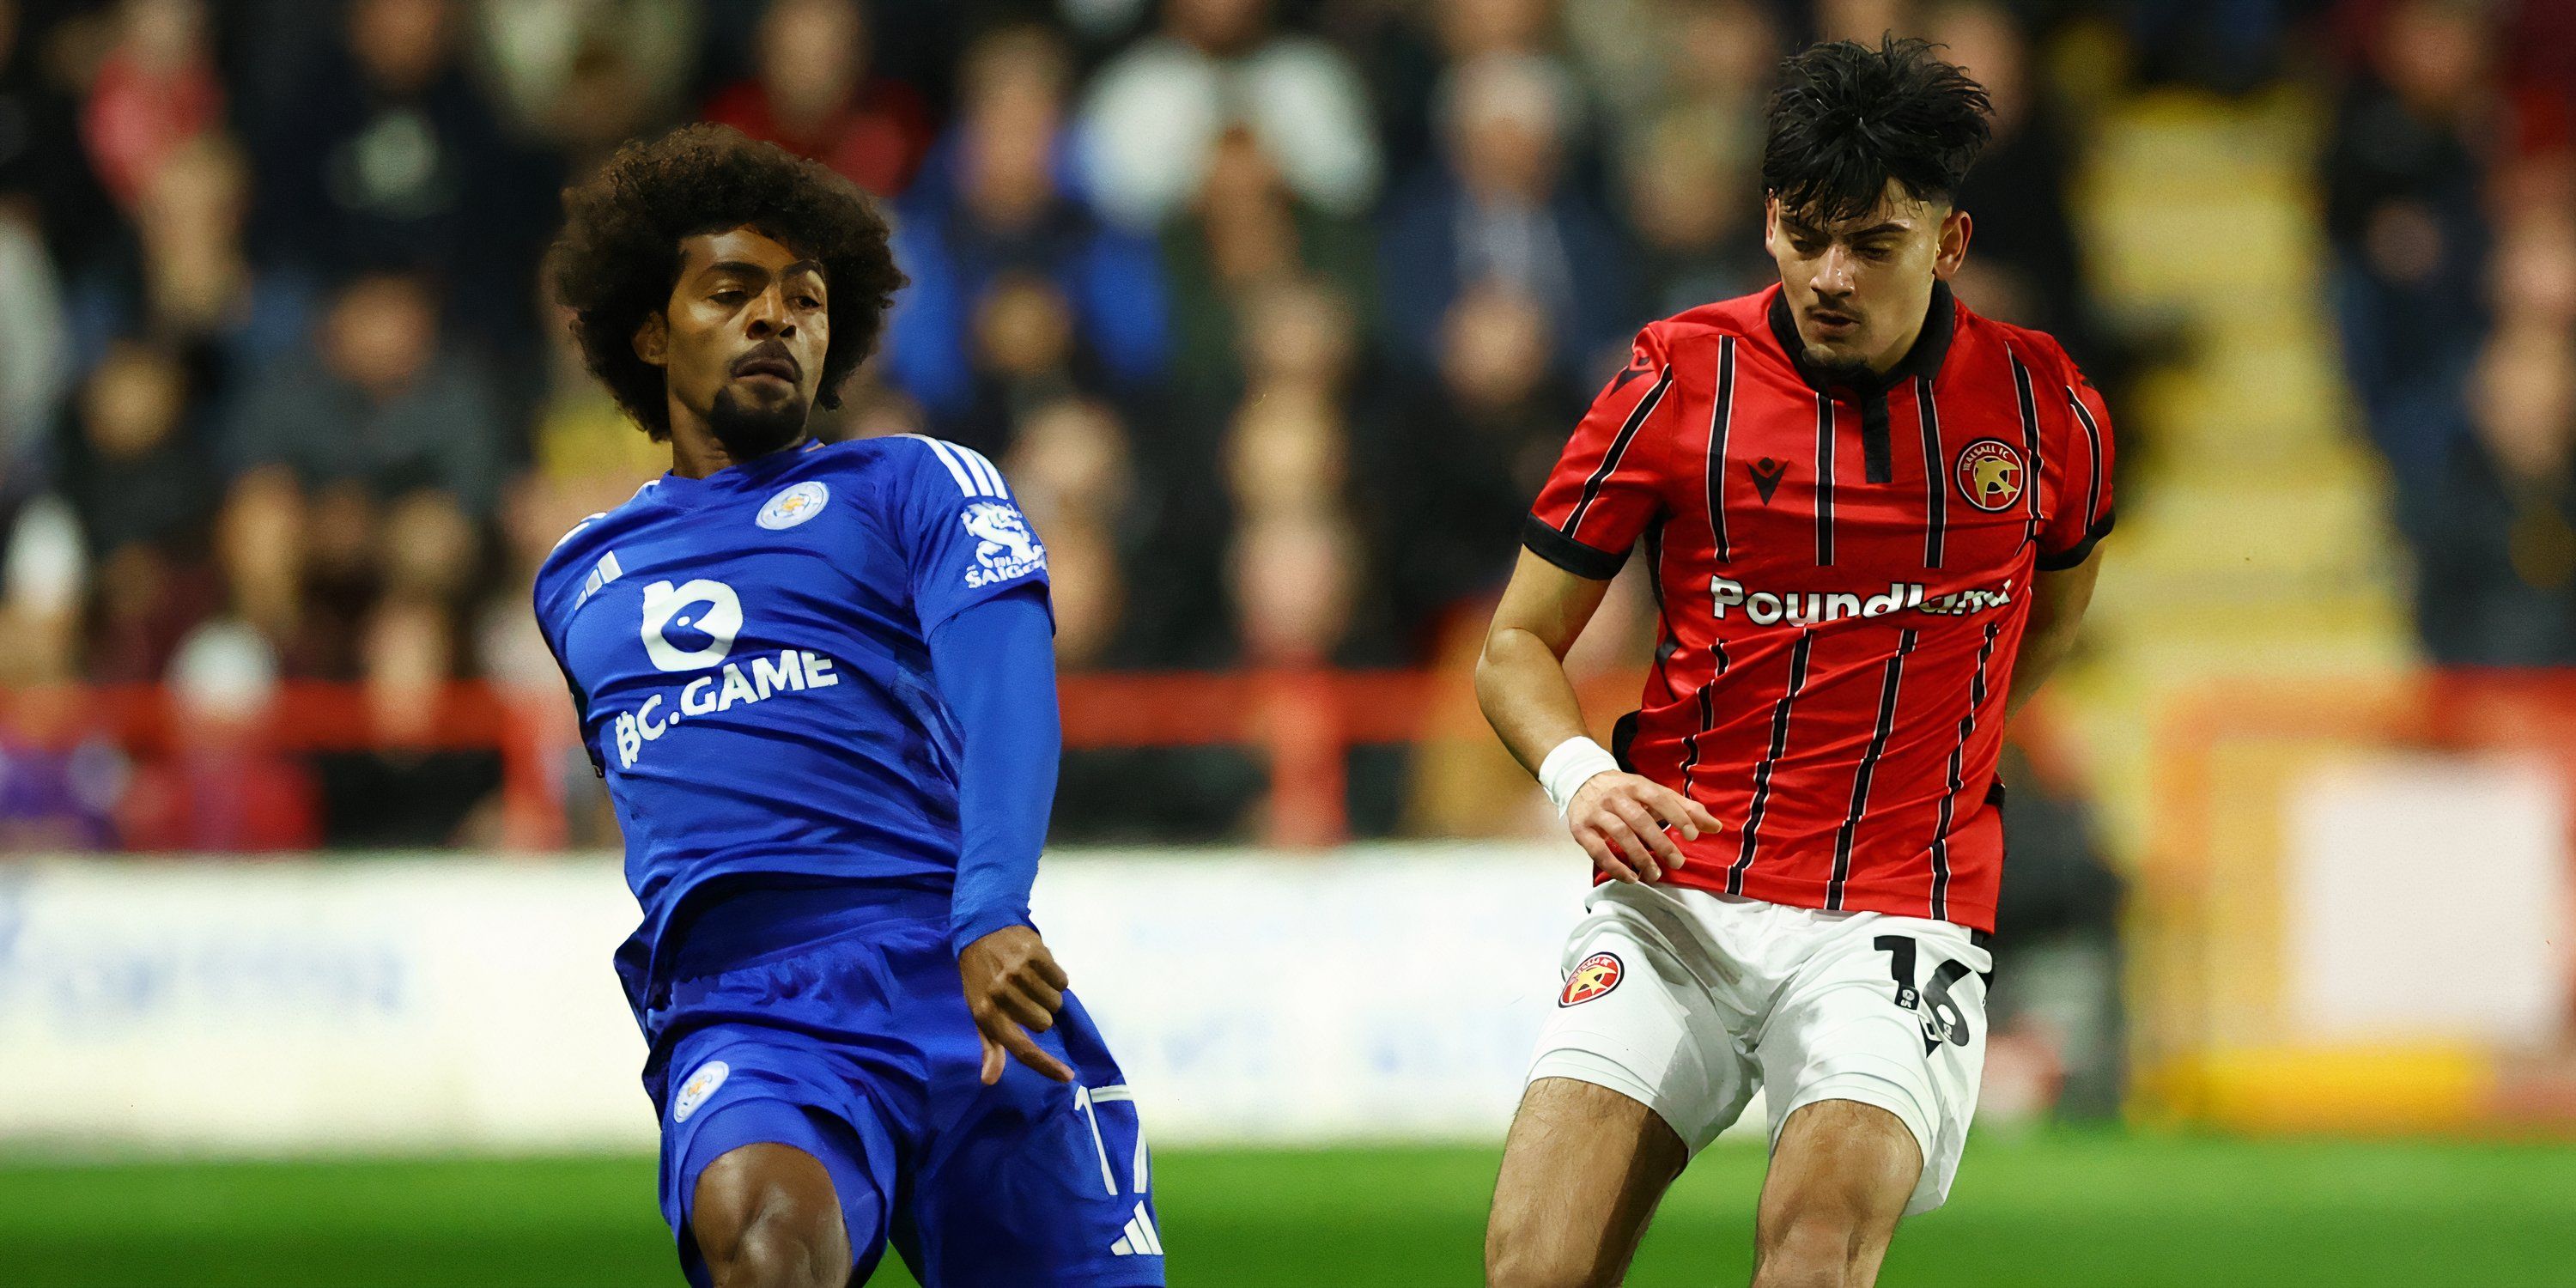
(985,470)
(965,485)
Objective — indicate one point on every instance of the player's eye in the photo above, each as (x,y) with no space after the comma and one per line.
(1874,252)
(730,295)
(809,301)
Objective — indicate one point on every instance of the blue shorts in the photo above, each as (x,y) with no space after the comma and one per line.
(856,1047)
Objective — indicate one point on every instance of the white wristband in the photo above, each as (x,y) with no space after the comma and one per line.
(1570,766)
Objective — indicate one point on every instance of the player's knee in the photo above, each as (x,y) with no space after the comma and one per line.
(780,1245)
(1518,1256)
(1816,1245)
(768,1220)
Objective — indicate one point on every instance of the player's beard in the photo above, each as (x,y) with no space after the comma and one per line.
(1855,372)
(747,430)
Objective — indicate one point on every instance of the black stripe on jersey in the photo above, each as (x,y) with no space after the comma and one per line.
(1707,713)
(1618,449)
(1877,457)
(2093,441)
(1958,763)
(1824,481)
(1936,474)
(1721,417)
(1667,644)
(2096,526)
(2030,445)
(1762,772)
(1868,766)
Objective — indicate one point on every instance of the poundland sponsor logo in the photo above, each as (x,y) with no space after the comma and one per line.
(1814,608)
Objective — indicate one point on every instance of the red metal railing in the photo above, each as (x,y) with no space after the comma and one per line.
(1302,724)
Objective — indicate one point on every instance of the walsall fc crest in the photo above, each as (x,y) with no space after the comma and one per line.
(1990,474)
(1598,974)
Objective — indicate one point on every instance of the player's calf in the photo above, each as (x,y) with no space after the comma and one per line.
(766,1216)
(1837,1186)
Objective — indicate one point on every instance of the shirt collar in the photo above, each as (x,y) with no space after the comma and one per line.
(1940,320)
(677,490)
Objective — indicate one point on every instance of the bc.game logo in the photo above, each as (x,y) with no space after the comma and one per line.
(691,626)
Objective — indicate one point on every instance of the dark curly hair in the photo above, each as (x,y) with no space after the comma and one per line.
(620,249)
(1848,118)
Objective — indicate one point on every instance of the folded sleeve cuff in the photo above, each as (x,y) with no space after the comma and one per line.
(1565,552)
(2080,551)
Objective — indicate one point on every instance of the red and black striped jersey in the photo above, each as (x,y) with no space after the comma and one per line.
(1844,575)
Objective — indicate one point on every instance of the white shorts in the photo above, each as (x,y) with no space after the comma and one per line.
(1688,1001)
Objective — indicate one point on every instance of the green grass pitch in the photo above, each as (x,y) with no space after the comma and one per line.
(2099,1211)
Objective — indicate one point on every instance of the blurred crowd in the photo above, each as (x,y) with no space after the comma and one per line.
(1276,312)
(2449,186)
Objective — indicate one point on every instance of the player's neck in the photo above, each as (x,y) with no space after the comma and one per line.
(697,453)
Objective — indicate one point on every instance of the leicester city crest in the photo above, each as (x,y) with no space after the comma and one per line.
(794,505)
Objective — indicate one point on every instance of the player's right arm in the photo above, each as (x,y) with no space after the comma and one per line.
(1607,486)
(1617,817)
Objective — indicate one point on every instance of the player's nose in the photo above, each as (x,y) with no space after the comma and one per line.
(769,315)
(1834,274)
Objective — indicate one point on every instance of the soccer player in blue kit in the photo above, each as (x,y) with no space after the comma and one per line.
(820,683)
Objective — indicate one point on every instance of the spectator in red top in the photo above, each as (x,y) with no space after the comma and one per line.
(155,91)
(813,96)
(224,788)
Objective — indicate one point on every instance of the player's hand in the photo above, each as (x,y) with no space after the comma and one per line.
(1620,820)
(1012,980)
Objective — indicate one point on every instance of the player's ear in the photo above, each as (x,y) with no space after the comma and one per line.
(1956,227)
(653,339)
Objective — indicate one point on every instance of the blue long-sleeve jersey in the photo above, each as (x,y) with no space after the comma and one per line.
(752,656)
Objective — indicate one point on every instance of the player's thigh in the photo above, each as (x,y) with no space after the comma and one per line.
(765,1140)
(1639,1015)
(1888,1013)
(1839,1181)
(1039,1183)
(1637,1067)
(1583,1168)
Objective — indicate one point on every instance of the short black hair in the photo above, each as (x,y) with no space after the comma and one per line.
(1848,118)
(619,253)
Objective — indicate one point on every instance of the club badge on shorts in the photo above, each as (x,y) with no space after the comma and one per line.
(700,1085)
(1990,474)
(1598,974)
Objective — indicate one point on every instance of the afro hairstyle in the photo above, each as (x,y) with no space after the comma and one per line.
(619,254)
(1848,118)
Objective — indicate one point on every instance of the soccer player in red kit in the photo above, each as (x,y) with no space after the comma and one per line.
(1870,515)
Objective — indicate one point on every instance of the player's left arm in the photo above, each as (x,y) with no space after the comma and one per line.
(2078,487)
(2057,602)
(995,663)
(979,587)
